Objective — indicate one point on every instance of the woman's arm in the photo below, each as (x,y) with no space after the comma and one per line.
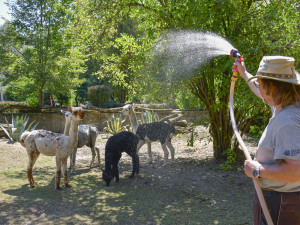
(286,171)
(246,76)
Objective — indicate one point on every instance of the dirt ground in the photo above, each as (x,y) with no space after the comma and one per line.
(191,190)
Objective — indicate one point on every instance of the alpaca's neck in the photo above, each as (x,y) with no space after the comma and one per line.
(67,128)
(133,120)
(73,133)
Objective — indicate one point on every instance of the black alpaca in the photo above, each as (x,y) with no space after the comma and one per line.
(122,142)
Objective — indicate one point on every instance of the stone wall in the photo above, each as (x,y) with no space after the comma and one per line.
(55,121)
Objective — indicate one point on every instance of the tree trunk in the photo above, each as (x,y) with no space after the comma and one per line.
(41,99)
(220,130)
(220,127)
(76,99)
(123,96)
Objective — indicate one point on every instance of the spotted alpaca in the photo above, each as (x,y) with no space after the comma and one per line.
(122,142)
(52,144)
(87,135)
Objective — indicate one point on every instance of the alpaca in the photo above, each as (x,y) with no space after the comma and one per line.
(147,133)
(87,135)
(124,141)
(52,144)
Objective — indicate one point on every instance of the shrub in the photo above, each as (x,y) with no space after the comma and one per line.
(115,125)
(186,100)
(149,117)
(18,126)
(231,159)
(191,139)
(9,103)
(99,95)
(256,131)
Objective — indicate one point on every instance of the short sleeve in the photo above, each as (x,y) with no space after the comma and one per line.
(287,142)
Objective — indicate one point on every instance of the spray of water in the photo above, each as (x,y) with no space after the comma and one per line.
(179,53)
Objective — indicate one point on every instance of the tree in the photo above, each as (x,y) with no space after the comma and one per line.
(50,60)
(211,83)
(263,27)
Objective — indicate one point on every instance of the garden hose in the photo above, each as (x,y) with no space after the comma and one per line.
(235,53)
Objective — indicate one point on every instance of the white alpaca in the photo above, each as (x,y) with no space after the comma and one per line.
(147,133)
(87,135)
(52,144)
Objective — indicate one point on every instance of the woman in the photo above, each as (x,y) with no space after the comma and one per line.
(277,160)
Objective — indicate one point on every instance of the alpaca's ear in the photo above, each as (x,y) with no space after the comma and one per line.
(69,108)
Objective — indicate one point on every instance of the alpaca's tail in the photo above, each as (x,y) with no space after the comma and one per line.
(23,137)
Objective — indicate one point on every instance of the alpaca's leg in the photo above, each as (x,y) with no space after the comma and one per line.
(58,172)
(115,167)
(172,150)
(74,159)
(98,154)
(136,165)
(149,152)
(71,164)
(65,171)
(140,144)
(93,155)
(166,153)
(32,159)
(94,149)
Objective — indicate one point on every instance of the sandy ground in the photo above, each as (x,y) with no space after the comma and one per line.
(194,175)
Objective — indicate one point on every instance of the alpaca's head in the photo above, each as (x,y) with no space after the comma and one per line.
(77,113)
(107,177)
(127,109)
(68,116)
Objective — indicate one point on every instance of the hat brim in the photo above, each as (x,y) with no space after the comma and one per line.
(295,80)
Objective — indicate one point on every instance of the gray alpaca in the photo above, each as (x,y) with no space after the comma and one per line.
(87,135)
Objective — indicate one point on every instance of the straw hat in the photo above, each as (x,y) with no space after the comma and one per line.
(279,68)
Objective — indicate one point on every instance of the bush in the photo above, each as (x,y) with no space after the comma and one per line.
(17,128)
(115,125)
(186,100)
(12,103)
(256,131)
(149,117)
(99,95)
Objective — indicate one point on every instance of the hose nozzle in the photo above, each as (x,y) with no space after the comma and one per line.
(235,54)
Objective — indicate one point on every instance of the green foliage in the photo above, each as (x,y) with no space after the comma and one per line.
(118,38)
(231,159)
(9,103)
(99,95)
(18,127)
(178,135)
(45,52)
(121,61)
(191,139)
(256,131)
(186,100)
(115,125)
(149,117)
